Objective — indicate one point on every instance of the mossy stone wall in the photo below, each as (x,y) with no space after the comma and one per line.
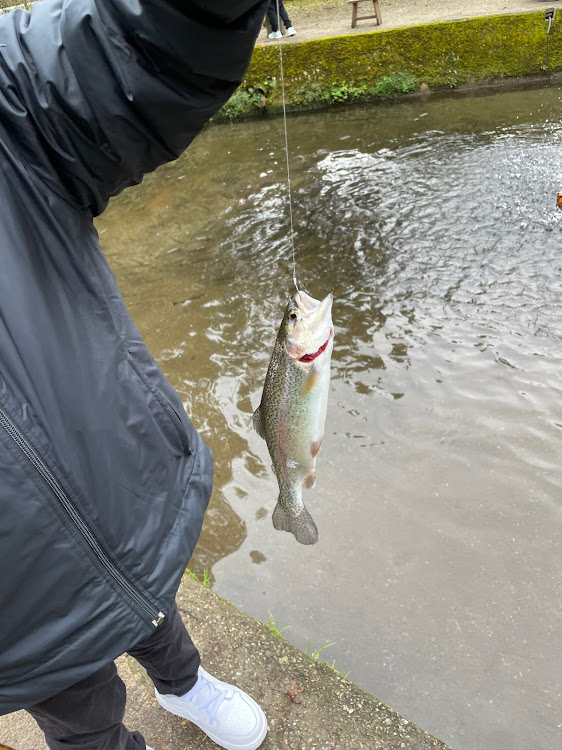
(382,63)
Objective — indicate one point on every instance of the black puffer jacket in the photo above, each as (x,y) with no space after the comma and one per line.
(103,479)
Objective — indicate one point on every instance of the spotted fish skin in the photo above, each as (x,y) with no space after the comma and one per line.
(292,412)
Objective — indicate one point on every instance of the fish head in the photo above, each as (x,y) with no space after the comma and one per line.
(307,330)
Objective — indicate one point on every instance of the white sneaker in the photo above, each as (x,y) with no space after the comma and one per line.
(226,714)
(291,31)
(275,35)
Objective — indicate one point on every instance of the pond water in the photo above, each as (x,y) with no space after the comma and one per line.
(439,494)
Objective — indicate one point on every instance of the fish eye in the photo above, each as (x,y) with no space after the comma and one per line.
(293,316)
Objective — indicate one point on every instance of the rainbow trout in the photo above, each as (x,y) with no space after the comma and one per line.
(292,412)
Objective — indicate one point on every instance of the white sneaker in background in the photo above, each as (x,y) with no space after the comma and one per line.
(275,35)
(291,31)
(226,714)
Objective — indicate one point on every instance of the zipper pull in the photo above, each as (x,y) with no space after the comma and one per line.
(158,619)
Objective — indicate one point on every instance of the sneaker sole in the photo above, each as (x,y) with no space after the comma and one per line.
(252,746)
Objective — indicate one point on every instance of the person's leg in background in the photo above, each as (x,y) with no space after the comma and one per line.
(286,20)
(273,20)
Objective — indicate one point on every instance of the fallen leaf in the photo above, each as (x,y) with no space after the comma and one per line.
(293,692)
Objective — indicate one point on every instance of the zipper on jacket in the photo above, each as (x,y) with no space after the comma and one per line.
(54,485)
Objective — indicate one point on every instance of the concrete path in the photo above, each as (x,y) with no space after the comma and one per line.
(329,713)
(333,17)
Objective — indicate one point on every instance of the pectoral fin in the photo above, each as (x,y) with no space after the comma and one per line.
(315,447)
(258,426)
(309,481)
(310,383)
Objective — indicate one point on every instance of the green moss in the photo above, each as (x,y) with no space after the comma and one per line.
(395,83)
(191,574)
(247,98)
(330,94)
(397,61)
(204,581)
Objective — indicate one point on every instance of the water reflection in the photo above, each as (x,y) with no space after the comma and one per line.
(438,496)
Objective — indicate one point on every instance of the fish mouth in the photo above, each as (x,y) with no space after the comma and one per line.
(314,327)
(312,357)
(306,302)
(311,307)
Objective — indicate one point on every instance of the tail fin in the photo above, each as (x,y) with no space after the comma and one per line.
(301,525)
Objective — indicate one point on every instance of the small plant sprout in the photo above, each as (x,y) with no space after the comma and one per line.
(206,578)
(271,625)
(315,654)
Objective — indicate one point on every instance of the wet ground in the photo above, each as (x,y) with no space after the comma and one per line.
(438,500)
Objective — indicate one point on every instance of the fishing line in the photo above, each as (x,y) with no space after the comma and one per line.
(287,152)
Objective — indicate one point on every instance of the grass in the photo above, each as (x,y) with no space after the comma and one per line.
(206,580)
(338,670)
(333,666)
(272,626)
(315,654)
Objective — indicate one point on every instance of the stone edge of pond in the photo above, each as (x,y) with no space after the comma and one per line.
(381,65)
(308,704)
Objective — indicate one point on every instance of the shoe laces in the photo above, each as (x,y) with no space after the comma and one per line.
(207,697)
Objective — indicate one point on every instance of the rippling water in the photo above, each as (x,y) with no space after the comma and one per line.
(439,491)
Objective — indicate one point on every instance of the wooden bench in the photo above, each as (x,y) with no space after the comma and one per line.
(355,17)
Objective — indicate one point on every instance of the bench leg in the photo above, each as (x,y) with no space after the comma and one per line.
(377,11)
(354,15)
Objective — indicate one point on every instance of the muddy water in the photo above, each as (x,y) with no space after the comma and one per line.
(439,494)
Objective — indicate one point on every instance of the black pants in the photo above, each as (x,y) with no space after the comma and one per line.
(272,15)
(89,715)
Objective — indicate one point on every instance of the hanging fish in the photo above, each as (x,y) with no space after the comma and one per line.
(292,412)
